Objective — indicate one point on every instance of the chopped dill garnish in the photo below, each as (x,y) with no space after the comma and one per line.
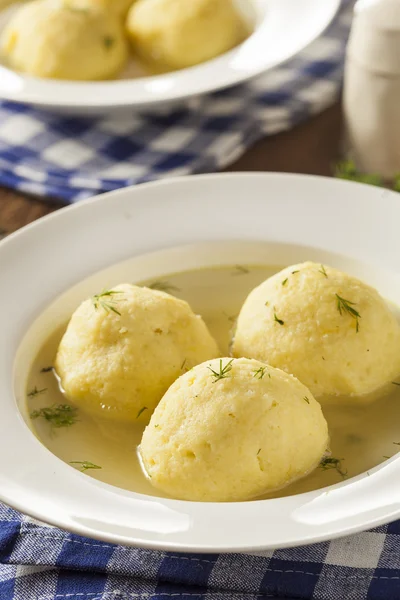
(347,306)
(323,358)
(107,301)
(240,270)
(223,371)
(183,364)
(231,318)
(294,272)
(267,303)
(62,415)
(163,286)
(386,457)
(141,411)
(108,41)
(259,373)
(35,392)
(396,443)
(46,369)
(84,465)
(156,426)
(306,399)
(323,271)
(395,383)
(284,282)
(329,462)
(347,169)
(278,320)
(258,451)
(158,331)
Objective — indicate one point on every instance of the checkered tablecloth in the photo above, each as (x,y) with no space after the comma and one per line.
(73,158)
(43,563)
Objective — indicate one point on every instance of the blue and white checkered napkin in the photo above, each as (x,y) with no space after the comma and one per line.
(44,563)
(72,158)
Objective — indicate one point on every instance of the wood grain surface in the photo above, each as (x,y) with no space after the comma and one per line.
(312,147)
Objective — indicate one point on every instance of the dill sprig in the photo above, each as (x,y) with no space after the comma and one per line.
(107,301)
(284,282)
(323,271)
(259,450)
(223,372)
(346,169)
(84,465)
(108,41)
(259,373)
(277,320)
(345,306)
(62,415)
(141,411)
(294,272)
(46,369)
(306,399)
(35,392)
(163,286)
(396,443)
(329,462)
(395,383)
(240,270)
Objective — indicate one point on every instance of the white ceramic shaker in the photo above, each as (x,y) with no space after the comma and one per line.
(372,87)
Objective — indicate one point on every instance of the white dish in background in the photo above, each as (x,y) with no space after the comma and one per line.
(152,230)
(282,29)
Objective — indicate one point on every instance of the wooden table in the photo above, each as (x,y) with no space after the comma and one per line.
(312,147)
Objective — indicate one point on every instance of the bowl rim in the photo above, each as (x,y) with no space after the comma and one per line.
(249,59)
(51,491)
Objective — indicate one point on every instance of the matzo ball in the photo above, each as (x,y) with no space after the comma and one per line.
(59,39)
(123,348)
(333,332)
(233,430)
(182,33)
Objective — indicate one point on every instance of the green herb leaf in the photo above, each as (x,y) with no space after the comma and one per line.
(141,411)
(323,271)
(395,383)
(386,457)
(46,369)
(258,451)
(163,286)
(329,462)
(108,42)
(62,415)
(107,301)
(84,465)
(306,399)
(396,443)
(345,306)
(294,272)
(277,320)
(223,372)
(35,392)
(347,170)
(284,282)
(240,270)
(259,373)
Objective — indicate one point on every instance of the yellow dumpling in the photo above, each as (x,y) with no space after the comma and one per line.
(333,332)
(233,430)
(60,39)
(123,348)
(182,33)
(118,7)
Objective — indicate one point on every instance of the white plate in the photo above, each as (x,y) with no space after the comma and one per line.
(42,269)
(283,28)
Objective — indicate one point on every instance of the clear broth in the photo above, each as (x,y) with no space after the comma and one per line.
(361,436)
